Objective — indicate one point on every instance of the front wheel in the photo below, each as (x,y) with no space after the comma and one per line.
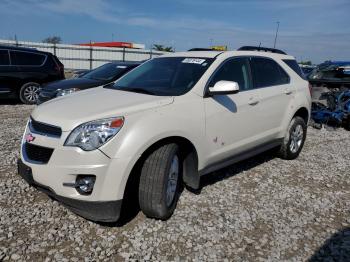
(29,93)
(294,140)
(160,181)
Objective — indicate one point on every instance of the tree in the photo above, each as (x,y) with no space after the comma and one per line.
(163,48)
(52,40)
(305,63)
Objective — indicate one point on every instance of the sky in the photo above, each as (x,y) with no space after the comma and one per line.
(315,30)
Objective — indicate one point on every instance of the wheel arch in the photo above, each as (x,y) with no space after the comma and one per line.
(190,163)
(303,113)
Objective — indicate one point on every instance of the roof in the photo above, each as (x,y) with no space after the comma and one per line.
(204,54)
(338,63)
(213,54)
(127,62)
(18,48)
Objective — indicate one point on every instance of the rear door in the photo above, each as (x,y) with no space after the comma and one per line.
(275,93)
(30,66)
(8,74)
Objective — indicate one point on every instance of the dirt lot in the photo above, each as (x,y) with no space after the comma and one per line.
(262,209)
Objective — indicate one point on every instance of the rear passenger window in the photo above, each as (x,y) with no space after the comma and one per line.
(294,65)
(237,70)
(26,58)
(267,72)
(4,57)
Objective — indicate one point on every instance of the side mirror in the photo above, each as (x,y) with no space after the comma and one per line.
(224,88)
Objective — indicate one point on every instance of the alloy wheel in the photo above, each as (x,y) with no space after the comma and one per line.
(173,177)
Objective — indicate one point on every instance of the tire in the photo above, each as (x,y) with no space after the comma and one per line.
(347,123)
(294,140)
(29,92)
(160,181)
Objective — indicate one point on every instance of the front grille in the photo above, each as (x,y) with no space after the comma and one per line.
(38,153)
(44,129)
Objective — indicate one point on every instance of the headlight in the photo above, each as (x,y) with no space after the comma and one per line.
(92,135)
(67,91)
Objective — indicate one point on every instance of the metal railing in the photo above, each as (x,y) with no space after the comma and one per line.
(87,57)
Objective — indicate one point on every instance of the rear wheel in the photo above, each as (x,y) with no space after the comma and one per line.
(347,123)
(160,182)
(294,139)
(29,93)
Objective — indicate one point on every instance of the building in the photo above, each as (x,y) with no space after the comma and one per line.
(115,44)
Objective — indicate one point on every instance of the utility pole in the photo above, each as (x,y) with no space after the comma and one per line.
(211,42)
(16,40)
(278,26)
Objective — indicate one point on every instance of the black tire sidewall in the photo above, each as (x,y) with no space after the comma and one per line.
(168,210)
(21,93)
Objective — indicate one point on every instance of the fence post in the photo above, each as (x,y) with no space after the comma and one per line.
(16,40)
(123,54)
(54,48)
(150,54)
(90,56)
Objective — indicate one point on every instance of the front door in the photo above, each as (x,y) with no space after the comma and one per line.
(232,123)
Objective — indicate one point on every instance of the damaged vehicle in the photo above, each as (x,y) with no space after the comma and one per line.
(331,94)
(333,74)
(164,125)
(336,111)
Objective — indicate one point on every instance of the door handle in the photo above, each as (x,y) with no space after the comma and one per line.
(253,102)
(288,91)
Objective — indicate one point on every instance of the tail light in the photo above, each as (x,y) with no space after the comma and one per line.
(310,89)
(59,67)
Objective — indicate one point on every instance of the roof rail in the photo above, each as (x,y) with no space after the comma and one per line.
(202,49)
(20,48)
(260,48)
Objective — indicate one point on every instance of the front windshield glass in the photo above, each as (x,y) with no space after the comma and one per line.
(168,76)
(106,72)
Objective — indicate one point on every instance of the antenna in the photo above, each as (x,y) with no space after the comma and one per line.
(278,26)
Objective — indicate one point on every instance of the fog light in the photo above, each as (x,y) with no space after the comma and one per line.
(85,184)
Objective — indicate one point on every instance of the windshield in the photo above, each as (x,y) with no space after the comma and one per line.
(169,76)
(108,71)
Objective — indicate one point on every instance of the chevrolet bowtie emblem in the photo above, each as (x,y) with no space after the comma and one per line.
(29,138)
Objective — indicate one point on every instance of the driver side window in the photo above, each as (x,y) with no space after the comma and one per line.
(236,70)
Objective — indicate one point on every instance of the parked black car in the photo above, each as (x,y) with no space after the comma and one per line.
(102,75)
(24,70)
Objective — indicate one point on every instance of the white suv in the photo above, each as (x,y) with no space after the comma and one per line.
(164,124)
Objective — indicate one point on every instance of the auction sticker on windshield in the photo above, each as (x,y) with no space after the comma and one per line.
(193,61)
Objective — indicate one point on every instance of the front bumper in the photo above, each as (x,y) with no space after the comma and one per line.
(103,211)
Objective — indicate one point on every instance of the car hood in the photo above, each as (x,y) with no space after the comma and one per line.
(72,110)
(81,83)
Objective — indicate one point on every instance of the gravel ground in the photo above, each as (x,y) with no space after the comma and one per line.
(262,209)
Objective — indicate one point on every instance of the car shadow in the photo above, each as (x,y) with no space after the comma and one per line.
(130,207)
(336,248)
(226,102)
(237,168)
(9,101)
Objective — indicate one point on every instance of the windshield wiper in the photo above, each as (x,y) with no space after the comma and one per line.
(137,90)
